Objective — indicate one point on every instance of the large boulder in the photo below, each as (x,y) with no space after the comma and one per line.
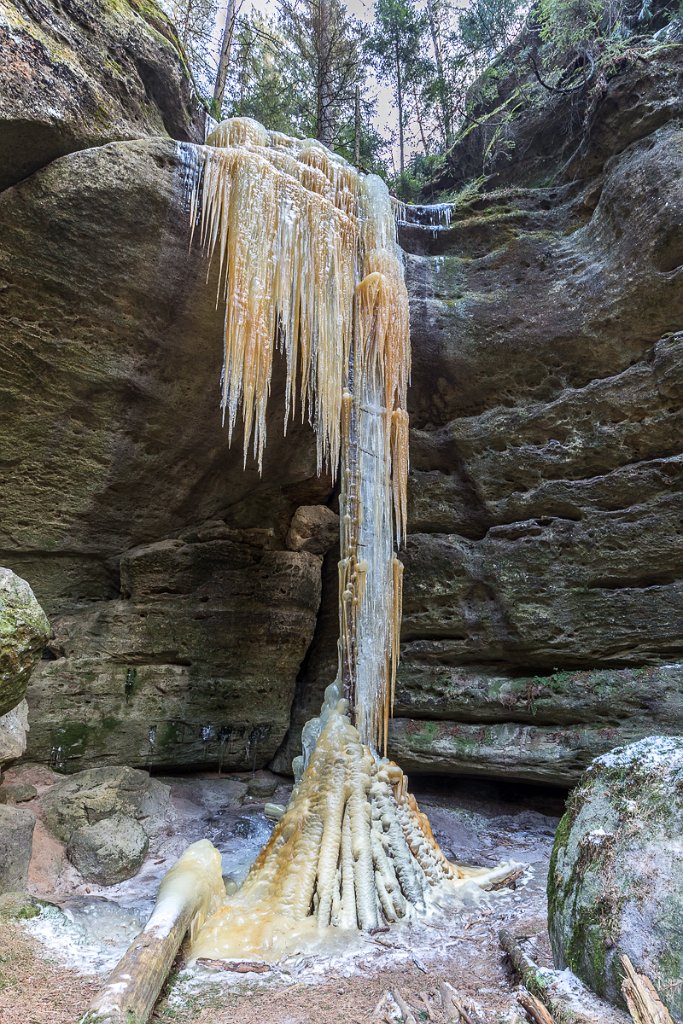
(110,850)
(615,884)
(24,631)
(13,733)
(85,72)
(103,793)
(16,838)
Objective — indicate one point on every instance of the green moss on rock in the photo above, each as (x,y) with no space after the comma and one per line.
(615,884)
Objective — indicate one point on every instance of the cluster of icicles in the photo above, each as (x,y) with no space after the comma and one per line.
(308,263)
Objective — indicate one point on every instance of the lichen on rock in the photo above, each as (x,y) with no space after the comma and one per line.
(615,884)
(110,850)
(102,793)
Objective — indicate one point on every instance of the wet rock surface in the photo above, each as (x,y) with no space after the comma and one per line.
(615,884)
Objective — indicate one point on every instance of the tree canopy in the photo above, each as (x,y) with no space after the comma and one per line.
(391,90)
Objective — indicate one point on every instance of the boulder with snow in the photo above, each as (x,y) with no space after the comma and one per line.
(615,884)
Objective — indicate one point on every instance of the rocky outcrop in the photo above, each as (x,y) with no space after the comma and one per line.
(24,631)
(16,837)
(537,116)
(615,884)
(82,73)
(540,728)
(184,591)
(174,644)
(546,553)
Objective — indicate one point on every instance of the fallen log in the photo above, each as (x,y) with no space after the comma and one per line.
(641,997)
(564,997)
(406,1012)
(453,1009)
(187,894)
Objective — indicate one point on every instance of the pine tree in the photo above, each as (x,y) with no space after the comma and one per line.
(326,43)
(397,43)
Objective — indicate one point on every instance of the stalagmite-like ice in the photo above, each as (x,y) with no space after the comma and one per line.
(351,851)
(308,263)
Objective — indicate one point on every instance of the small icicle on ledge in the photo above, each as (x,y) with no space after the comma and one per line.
(308,263)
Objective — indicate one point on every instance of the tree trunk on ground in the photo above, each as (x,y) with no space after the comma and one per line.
(550,987)
(186,895)
(641,997)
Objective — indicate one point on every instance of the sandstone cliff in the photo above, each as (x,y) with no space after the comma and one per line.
(542,611)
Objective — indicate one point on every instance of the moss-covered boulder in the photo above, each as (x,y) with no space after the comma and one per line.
(615,883)
(24,631)
(104,793)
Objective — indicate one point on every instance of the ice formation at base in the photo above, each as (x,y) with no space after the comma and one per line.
(352,851)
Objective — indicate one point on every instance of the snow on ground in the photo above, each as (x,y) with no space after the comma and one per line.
(475,822)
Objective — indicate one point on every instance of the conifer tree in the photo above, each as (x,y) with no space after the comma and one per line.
(397,43)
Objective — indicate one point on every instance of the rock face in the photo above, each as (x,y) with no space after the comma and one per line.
(80,74)
(615,884)
(523,133)
(16,837)
(103,793)
(109,851)
(313,528)
(13,733)
(541,728)
(174,643)
(546,552)
(185,592)
(24,631)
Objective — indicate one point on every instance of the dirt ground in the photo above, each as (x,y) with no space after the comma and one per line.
(51,966)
